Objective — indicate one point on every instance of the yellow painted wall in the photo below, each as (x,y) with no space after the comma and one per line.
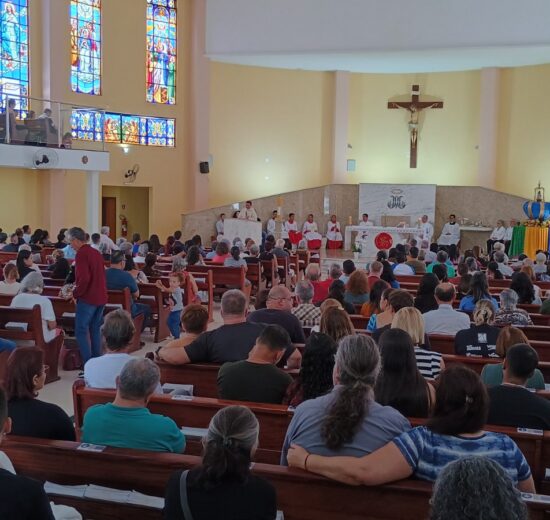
(448,137)
(268,123)
(135,202)
(524,138)
(21,198)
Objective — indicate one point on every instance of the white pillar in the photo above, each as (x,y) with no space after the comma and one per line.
(92,202)
(200,106)
(488,127)
(340,130)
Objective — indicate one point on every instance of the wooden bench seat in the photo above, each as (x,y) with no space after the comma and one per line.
(196,412)
(222,277)
(300,495)
(203,376)
(33,319)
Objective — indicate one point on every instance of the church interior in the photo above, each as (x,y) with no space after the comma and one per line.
(402,139)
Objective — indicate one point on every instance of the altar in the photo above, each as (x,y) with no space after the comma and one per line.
(243,229)
(374,238)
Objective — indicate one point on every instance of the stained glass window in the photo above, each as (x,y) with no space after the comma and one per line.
(90,125)
(86,46)
(14,57)
(161,51)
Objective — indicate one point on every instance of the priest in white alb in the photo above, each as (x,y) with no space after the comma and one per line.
(248,213)
(450,235)
(497,235)
(426,231)
(364,223)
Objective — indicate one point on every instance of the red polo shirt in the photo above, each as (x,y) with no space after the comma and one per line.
(90,286)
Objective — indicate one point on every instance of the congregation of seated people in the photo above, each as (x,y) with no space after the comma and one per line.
(357,392)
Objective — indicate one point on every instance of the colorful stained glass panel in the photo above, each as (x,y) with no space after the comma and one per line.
(14,54)
(161,51)
(85,18)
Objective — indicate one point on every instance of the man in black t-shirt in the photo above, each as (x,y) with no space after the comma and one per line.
(511,404)
(234,339)
(279,305)
(21,498)
(257,379)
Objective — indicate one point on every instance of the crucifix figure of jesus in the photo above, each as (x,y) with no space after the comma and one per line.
(415,106)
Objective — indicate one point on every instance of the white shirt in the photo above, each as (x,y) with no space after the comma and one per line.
(498,233)
(288,226)
(104,239)
(271,226)
(450,234)
(310,227)
(248,214)
(368,223)
(26,238)
(403,269)
(445,320)
(5,463)
(426,231)
(508,234)
(333,231)
(9,288)
(506,270)
(219,227)
(101,372)
(28,301)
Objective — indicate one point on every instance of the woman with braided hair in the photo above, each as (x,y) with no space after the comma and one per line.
(222,486)
(347,420)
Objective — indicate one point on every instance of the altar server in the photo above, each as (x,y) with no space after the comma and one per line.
(272,223)
(450,235)
(498,235)
(310,226)
(288,226)
(334,234)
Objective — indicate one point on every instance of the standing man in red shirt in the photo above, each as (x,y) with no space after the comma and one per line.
(90,293)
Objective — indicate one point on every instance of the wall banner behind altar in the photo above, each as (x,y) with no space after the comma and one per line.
(390,204)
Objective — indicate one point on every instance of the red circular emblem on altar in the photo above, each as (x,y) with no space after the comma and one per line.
(383,241)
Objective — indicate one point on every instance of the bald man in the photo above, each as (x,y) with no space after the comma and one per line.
(445,320)
(279,305)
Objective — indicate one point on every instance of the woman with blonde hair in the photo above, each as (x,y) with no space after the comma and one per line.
(481,338)
(336,323)
(410,320)
(492,375)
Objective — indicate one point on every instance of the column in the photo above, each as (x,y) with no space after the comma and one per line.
(200,108)
(340,130)
(92,202)
(488,127)
(53,212)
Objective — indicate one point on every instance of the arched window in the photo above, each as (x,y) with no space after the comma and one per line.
(14,54)
(161,51)
(86,46)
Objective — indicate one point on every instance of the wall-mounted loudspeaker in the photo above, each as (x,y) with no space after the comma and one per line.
(204,167)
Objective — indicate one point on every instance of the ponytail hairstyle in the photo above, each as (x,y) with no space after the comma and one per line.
(357,366)
(228,446)
(236,253)
(484,313)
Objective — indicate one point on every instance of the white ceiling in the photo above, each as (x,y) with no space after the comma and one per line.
(433,60)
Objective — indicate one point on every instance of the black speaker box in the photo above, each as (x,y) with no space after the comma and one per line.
(204,167)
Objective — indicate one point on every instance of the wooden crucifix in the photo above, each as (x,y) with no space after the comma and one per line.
(415,106)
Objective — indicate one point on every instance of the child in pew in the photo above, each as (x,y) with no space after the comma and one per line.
(176,301)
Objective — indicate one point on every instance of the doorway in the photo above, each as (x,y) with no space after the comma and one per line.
(108,213)
(131,210)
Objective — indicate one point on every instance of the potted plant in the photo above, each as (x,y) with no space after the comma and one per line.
(356,248)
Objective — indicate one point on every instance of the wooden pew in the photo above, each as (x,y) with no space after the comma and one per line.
(151,295)
(270,270)
(300,495)
(196,412)
(205,284)
(222,276)
(359,321)
(124,299)
(5,257)
(33,319)
(283,263)
(203,376)
(254,276)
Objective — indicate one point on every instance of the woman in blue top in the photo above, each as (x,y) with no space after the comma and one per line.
(454,431)
(479,290)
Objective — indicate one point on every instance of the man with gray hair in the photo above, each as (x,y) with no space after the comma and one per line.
(127,422)
(230,342)
(253,255)
(505,269)
(308,314)
(508,313)
(106,239)
(335,272)
(90,293)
